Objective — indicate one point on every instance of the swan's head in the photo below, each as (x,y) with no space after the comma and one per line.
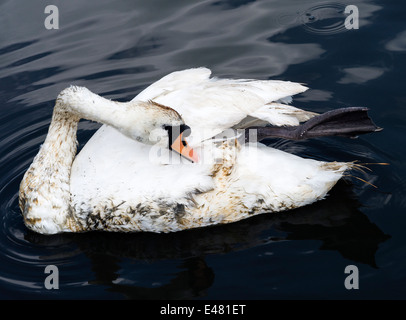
(164,127)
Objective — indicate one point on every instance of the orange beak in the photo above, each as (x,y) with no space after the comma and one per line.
(181,147)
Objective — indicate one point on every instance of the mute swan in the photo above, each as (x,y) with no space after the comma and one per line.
(124,179)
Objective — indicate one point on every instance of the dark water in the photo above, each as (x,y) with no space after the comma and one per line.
(116,49)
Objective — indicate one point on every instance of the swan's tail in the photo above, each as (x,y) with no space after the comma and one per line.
(362,168)
(348,122)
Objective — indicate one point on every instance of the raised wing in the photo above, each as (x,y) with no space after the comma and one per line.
(212,105)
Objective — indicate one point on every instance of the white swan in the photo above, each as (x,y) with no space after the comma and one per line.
(122,180)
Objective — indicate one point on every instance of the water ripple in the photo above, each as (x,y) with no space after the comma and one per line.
(324,19)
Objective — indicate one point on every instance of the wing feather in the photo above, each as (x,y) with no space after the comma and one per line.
(212,105)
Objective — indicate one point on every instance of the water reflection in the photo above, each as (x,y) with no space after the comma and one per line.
(336,222)
(193,281)
(398,43)
(360,75)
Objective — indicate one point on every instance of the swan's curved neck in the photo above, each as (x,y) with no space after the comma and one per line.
(44,190)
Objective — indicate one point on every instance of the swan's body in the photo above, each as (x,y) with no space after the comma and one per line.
(118,183)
